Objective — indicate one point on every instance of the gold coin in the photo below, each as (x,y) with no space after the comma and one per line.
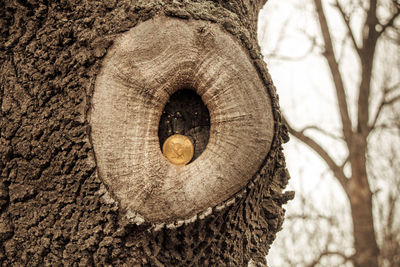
(178,149)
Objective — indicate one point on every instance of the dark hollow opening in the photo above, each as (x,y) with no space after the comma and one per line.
(186,114)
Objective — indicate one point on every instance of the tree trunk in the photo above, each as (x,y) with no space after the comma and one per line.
(60,196)
(357,187)
(360,198)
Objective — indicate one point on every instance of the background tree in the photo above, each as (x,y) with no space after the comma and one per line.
(62,171)
(359,42)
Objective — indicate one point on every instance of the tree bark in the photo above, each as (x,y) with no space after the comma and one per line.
(55,207)
(360,197)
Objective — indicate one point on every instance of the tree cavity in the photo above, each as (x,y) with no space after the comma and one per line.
(185,113)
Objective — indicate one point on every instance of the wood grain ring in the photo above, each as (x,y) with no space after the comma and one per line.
(144,67)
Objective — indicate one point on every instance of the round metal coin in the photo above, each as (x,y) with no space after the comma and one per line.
(178,149)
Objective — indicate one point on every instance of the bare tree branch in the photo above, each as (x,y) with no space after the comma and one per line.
(390,22)
(281,37)
(371,21)
(275,52)
(338,171)
(318,129)
(370,37)
(343,48)
(329,55)
(345,161)
(384,102)
(392,100)
(346,20)
(276,56)
(329,253)
(355,132)
(309,217)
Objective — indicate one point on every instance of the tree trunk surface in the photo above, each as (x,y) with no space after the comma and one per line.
(360,196)
(55,208)
(364,238)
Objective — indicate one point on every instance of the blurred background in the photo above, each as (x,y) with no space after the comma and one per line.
(336,67)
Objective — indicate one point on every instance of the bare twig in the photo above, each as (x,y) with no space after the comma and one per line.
(384,102)
(329,55)
(390,22)
(281,36)
(343,49)
(310,217)
(346,20)
(329,253)
(318,129)
(338,171)
(275,55)
(289,58)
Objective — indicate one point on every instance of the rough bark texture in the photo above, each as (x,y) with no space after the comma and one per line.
(54,209)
